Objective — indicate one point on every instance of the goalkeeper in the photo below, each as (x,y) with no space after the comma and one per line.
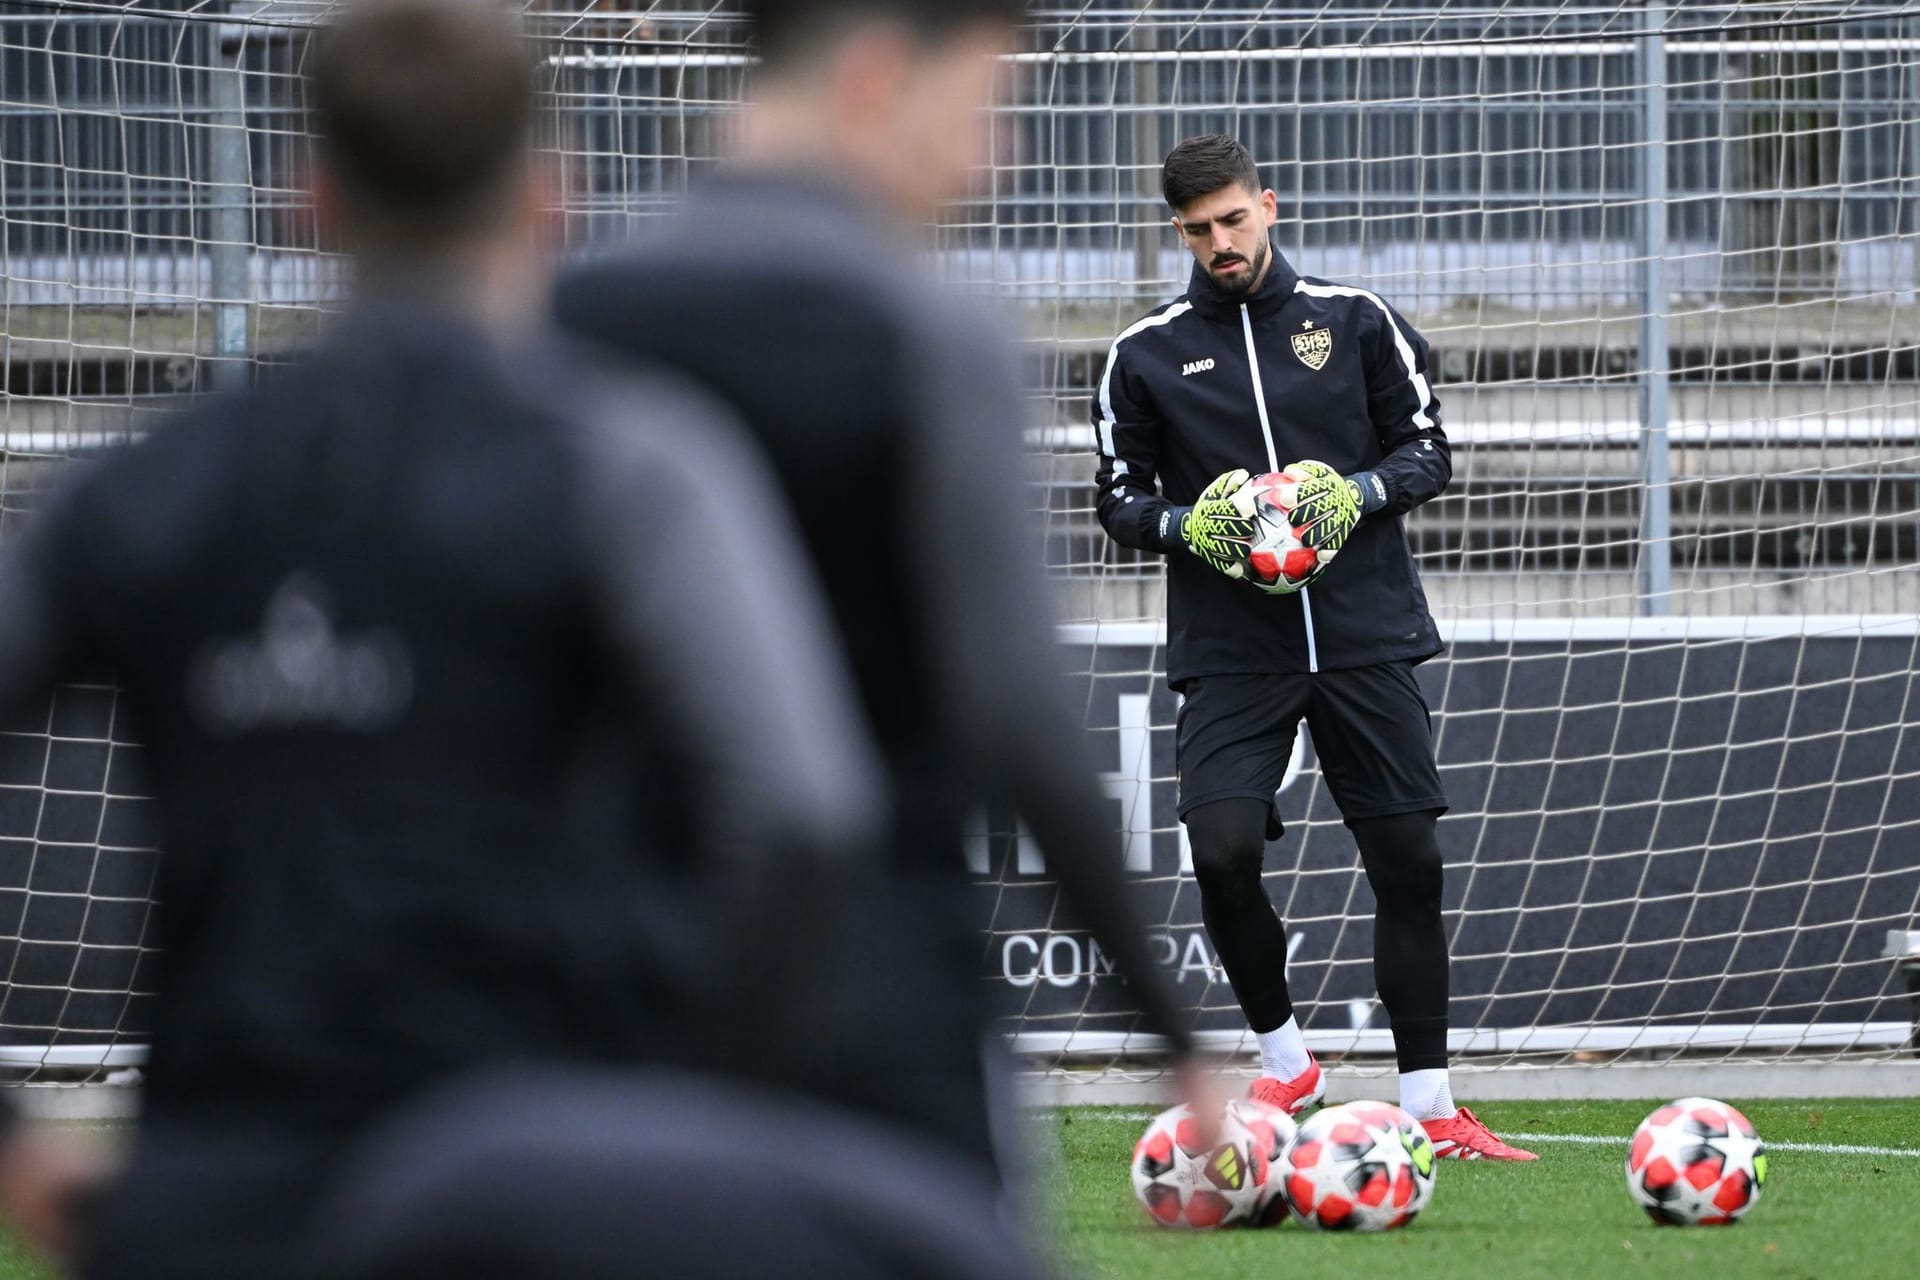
(1256,369)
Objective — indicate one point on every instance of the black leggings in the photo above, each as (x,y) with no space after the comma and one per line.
(1401,855)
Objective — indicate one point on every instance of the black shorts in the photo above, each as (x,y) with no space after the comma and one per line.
(1371,731)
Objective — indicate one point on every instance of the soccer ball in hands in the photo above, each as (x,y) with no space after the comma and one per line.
(1363,1166)
(1696,1162)
(1279,561)
(1231,1181)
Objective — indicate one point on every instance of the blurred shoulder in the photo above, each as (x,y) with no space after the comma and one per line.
(147,507)
(743,240)
(618,410)
(183,452)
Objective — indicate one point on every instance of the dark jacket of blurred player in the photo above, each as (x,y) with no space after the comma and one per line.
(891,409)
(365,617)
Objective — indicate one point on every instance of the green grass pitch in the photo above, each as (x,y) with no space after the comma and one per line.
(15,1265)
(1823,1214)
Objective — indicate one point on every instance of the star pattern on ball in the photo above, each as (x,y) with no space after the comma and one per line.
(1738,1149)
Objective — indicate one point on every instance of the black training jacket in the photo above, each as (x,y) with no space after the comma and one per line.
(1300,369)
(365,618)
(882,401)
(368,619)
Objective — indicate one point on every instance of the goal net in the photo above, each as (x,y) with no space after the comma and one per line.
(1666,260)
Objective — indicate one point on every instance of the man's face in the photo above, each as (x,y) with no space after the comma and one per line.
(1226,231)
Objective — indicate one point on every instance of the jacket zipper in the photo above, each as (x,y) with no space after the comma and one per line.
(1273,464)
(1259,391)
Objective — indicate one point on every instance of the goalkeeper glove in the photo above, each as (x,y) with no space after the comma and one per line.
(1330,504)
(1217,528)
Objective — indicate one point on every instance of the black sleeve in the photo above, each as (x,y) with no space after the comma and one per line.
(989,616)
(719,620)
(1417,462)
(1127,434)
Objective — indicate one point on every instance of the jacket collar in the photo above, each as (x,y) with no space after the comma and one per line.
(1274,292)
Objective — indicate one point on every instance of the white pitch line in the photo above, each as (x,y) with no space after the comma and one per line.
(1816,1148)
(1596,1140)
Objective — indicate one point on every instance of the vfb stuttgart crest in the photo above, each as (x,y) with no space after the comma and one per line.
(1313,346)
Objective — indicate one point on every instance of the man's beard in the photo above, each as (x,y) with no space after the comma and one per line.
(1243,285)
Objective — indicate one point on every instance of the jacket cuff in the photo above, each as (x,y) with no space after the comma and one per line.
(1373,491)
(1166,529)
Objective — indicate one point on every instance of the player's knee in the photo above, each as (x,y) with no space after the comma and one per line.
(1228,841)
(1226,863)
(1402,857)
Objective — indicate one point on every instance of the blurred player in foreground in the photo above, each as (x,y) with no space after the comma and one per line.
(1256,367)
(892,410)
(363,616)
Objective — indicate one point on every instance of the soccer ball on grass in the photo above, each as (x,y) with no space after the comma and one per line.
(1232,1181)
(1696,1162)
(1363,1166)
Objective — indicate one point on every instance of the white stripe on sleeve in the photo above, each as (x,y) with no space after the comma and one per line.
(1171,313)
(1421,390)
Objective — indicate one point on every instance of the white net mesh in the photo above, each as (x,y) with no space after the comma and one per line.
(1676,563)
(1675,717)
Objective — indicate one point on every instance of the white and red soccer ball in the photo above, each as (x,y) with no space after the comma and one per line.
(1278,559)
(1696,1162)
(1232,1180)
(1363,1166)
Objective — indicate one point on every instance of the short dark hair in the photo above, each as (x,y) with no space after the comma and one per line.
(424,110)
(1201,166)
(786,31)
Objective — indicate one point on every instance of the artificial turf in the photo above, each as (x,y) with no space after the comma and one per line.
(1823,1214)
(15,1264)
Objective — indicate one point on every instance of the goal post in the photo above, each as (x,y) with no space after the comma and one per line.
(1665,256)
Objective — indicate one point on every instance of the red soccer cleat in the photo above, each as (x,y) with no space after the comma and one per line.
(1291,1096)
(1461,1136)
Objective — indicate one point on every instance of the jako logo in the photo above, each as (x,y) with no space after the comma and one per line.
(1195,366)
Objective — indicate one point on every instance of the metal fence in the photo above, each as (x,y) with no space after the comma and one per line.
(1413,134)
(1665,255)
(1640,238)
